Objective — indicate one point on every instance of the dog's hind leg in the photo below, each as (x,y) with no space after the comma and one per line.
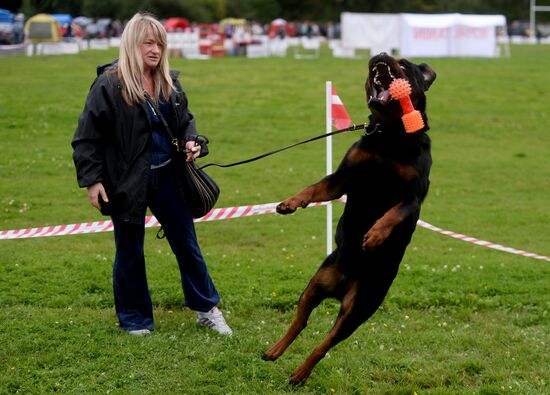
(349,319)
(358,304)
(320,287)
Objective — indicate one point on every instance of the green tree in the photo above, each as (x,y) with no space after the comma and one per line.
(101,8)
(218,8)
(266,10)
(11,5)
(32,7)
(263,11)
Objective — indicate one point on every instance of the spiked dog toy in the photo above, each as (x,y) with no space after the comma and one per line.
(400,89)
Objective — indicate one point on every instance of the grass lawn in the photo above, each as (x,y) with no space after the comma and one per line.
(459,319)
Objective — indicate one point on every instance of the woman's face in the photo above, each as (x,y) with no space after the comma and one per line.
(151,50)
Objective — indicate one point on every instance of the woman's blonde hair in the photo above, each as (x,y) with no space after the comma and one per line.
(130,62)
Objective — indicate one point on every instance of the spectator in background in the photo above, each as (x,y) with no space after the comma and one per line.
(330,31)
(68,32)
(117,28)
(92,30)
(18,29)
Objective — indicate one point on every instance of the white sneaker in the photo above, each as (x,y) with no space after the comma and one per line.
(140,332)
(213,319)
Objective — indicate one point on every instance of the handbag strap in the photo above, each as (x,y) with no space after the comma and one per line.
(175,142)
(161,233)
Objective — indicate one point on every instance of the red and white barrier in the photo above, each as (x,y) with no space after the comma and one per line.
(150,221)
(218,214)
(483,243)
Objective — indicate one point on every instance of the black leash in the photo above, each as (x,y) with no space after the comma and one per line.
(369,129)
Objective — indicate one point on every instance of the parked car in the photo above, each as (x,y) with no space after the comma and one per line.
(7,20)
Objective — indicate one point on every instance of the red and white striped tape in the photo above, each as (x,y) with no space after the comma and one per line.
(228,213)
(150,221)
(483,243)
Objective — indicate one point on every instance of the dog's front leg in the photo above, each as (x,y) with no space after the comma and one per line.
(383,227)
(323,191)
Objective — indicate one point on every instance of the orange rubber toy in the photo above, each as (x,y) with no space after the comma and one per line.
(400,89)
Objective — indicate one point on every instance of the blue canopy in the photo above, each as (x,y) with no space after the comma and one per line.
(6,16)
(63,19)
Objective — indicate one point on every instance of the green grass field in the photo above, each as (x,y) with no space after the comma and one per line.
(459,319)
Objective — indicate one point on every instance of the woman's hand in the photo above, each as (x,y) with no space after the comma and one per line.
(94,192)
(193,150)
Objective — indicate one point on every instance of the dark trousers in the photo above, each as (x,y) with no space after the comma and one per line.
(132,300)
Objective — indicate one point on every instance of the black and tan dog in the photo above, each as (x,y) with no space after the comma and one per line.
(385,176)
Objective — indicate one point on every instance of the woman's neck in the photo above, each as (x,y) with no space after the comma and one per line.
(148,83)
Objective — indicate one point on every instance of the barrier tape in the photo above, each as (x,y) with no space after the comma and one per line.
(218,214)
(150,221)
(483,243)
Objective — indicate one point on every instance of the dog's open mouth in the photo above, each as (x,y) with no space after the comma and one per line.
(382,77)
(383,71)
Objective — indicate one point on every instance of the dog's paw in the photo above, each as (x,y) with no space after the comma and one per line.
(300,375)
(288,206)
(272,354)
(374,237)
(285,208)
(269,356)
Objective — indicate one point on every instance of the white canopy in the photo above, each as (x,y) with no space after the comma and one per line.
(376,32)
(425,35)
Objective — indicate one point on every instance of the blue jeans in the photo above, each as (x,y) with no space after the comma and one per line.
(132,300)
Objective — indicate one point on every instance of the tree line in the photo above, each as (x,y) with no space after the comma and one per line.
(266,10)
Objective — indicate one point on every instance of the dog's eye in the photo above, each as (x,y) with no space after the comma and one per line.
(402,67)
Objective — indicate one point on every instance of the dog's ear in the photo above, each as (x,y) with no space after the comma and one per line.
(429,75)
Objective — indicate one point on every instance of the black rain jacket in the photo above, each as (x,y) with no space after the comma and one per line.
(113,140)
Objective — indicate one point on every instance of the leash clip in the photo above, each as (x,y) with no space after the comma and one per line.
(374,130)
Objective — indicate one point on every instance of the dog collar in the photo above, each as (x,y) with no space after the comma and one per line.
(371,129)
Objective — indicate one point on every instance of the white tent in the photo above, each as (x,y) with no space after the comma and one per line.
(375,32)
(425,35)
(430,35)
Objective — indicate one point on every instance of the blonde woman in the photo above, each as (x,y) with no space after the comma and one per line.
(123,155)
